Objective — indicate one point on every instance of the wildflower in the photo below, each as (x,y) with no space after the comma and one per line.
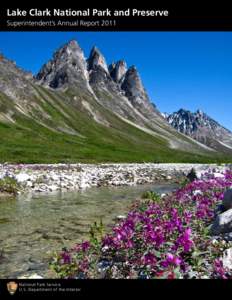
(149,259)
(171,275)
(85,246)
(157,239)
(171,260)
(184,241)
(129,244)
(65,257)
(219,269)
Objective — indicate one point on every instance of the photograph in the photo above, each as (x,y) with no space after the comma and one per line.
(115,152)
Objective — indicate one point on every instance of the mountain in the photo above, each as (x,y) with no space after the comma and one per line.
(84,110)
(67,67)
(202,128)
(118,70)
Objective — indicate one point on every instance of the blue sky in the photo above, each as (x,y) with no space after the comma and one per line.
(188,70)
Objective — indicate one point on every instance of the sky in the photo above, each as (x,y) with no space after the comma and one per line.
(190,70)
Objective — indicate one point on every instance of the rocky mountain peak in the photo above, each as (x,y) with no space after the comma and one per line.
(165,115)
(182,111)
(96,59)
(67,66)
(184,121)
(68,52)
(111,67)
(72,43)
(199,112)
(118,70)
(11,66)
(136,93)
(14,81)
(201,127)
(133,87)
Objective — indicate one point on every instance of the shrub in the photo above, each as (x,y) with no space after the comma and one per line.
(151,195)
(9,185)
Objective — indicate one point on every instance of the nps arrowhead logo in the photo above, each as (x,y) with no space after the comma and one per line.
(12,287)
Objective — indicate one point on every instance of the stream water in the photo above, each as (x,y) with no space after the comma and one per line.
(33,227)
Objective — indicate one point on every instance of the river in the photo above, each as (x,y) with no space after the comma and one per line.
(32,227)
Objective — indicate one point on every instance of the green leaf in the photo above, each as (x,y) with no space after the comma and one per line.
(157,254)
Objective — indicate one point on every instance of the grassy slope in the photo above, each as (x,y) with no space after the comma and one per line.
(27,141)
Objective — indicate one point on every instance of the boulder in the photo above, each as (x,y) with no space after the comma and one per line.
(227,259)
(197,192)
(222,223)
(55,177)
(218,175)
(218,210)
(2,176)
(121,217)
(227,200)
(22,177)
(53,188)
(227,237)
(29,184)
(200,174)
(31,276)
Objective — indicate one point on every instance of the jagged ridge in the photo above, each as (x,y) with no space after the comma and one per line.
(201,127)
(82,110)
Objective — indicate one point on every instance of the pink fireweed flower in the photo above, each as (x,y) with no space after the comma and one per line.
(76,248)
(219,269)
(187,216)
(171,260)
(149,259)
(129,244)
(65,257)
(83,265)
(107,241)
(85,246)
(184,241)
(154,235)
